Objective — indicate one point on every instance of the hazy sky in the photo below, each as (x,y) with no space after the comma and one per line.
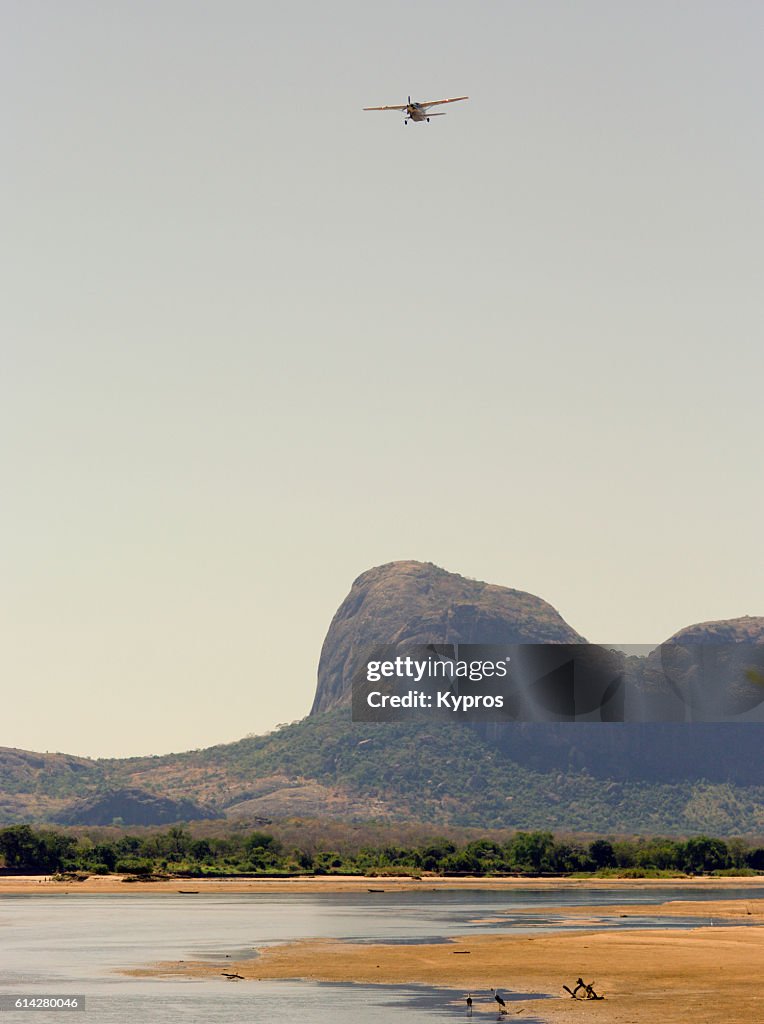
(255,341)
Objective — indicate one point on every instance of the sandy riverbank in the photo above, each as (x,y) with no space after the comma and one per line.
(703,976)
(43,884)
(743,910)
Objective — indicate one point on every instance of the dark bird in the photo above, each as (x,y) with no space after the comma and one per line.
(469,1003)
(500,1001)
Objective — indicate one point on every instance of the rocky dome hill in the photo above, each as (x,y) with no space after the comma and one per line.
(417,602)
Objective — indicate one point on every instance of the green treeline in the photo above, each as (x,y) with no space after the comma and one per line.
(176,852)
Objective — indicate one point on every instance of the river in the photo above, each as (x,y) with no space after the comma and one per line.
(78,945)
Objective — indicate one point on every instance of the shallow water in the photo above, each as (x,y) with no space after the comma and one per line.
(78,944)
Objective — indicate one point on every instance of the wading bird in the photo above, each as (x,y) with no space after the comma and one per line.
(469,1003)
(500,1001)
(420,111)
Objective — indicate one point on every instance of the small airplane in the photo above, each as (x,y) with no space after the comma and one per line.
(420,111)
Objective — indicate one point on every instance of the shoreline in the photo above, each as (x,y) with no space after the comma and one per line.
(114,884)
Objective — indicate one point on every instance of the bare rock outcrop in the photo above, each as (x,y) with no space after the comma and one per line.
(417,602)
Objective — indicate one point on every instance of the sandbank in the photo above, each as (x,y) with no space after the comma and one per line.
(703,975)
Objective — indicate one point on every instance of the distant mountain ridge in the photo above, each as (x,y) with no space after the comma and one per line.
(652,778)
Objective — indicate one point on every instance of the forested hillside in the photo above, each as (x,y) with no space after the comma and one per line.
(327,765)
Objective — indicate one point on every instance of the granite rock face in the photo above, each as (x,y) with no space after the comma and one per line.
(746,629)
(417,602)
(709,670)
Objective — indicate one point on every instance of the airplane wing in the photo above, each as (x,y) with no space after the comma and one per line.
(435,103)
(401,106)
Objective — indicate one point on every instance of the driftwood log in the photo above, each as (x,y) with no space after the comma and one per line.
(582,986)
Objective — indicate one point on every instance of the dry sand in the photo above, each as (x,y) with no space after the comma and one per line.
(703,976)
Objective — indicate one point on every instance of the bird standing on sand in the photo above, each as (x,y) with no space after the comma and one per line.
(500,1001)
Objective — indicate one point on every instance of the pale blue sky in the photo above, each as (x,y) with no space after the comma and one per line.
(256,341)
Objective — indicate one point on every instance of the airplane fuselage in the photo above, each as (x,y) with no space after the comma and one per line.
(420,112)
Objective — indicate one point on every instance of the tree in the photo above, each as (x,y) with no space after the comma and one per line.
(483,855)
(200,849)
(178,840)
(659,853)
(532,851)
(26,850)
(571,857)
(602,853)
(19,847)
(260,841)
(755,858)
(704,854)
(435,852)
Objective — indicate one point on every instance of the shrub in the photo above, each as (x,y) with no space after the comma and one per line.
(133,866)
